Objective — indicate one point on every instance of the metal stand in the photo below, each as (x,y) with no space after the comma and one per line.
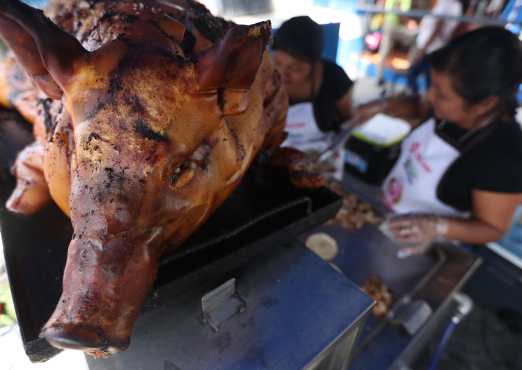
(285,310)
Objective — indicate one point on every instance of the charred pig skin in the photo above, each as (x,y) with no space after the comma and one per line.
(146,115)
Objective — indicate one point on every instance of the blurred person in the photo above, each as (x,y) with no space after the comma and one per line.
(433,33)
(459,174)
(319,90)
(396,31)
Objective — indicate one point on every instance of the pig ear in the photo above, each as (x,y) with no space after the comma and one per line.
(45,51)
(231,65)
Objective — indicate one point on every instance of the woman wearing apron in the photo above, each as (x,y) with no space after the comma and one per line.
(459,175)
(319,90)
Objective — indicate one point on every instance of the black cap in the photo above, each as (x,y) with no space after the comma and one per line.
(301,37)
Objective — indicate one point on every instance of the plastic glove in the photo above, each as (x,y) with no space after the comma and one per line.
(416,231)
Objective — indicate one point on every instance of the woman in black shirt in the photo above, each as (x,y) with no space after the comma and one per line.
(459,176)
(297,50)
(318,90)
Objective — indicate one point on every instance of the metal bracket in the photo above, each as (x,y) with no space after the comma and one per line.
(412,315)
(221,304)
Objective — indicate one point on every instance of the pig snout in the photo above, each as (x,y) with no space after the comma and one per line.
(105,284)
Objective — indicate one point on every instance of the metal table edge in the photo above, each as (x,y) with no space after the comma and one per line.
(419,339)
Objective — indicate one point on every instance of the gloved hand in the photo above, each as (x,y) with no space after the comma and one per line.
(417,231)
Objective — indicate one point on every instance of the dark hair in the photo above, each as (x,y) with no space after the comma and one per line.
(301,37)
(483,63)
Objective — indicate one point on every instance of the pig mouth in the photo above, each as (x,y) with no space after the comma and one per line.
(90,339)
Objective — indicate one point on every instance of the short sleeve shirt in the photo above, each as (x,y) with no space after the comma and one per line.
(490,160)
(335,85)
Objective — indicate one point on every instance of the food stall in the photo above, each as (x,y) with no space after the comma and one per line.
(246,293)
(424,288)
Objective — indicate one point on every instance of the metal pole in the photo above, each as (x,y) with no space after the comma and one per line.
(424,13)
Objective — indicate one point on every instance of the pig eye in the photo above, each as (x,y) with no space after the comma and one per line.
(182,174)
(176,174)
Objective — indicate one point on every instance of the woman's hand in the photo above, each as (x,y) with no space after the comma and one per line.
(490,219)
(417,230)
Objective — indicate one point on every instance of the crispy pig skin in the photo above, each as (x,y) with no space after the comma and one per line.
(146,116)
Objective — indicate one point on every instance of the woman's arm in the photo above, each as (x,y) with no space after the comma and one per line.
(492,216)
(413,109)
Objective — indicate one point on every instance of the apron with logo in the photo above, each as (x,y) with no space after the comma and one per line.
(411,186)
(304,134)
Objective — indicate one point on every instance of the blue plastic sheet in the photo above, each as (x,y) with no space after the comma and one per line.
(513,239)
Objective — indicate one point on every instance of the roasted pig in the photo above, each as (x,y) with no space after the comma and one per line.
(146,115)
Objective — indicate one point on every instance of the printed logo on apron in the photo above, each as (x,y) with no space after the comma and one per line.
(411,173)
(394,190)
(416,165)
(412,184)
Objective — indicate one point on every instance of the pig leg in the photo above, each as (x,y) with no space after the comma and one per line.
(31,192)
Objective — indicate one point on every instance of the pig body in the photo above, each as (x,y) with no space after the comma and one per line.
(146,116)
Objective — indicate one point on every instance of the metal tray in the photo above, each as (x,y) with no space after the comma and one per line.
(296,313)
(367,252)
(431,278)
(261,213)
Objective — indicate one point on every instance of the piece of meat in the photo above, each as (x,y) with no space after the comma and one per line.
(354,213)
(149,113)
(298,167)
(380,293)
(31,191)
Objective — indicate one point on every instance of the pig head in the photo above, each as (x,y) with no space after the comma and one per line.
(155,129)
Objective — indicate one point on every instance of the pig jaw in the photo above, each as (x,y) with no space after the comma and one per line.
(104,287)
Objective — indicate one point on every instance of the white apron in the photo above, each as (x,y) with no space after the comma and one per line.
(411,186)
(304,134)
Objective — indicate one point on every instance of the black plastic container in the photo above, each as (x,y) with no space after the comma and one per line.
(370,162)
